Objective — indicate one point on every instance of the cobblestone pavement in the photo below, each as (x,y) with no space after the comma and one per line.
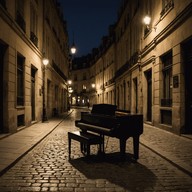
(47,168)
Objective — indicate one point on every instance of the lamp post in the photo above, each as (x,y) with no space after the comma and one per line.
(44,116)
(70,90)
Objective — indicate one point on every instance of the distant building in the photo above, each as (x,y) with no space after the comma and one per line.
(145,66)
(81,86)
(30,31)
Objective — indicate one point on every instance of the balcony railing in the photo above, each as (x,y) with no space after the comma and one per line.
(167,7)
(166,102)
(58,70)
(131,62)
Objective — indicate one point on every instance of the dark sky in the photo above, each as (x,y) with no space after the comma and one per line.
(88,21)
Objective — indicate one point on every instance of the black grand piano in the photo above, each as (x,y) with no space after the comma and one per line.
(105,119)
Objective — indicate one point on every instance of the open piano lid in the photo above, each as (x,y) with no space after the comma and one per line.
(105,109)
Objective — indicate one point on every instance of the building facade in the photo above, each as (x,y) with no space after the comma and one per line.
(81,85)
(147,67)
(30,31)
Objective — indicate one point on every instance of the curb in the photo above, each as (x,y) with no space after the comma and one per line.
(20,157)
(185,170)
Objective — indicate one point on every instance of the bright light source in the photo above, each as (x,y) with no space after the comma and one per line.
(69,82)
(45,61)
(147,20)
(73,49)
(70,90)
(93,85)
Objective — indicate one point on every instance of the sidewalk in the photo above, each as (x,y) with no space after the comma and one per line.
(15,146)
(175,149)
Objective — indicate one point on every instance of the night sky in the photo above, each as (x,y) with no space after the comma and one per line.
(88,21)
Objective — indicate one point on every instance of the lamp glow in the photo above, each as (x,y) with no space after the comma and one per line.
(93,85)
(69,82)
(73,49)
(147,20)
(45,61)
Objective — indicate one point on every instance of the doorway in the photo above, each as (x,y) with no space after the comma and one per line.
(148,75)
(135,100)
(33,71)
(187,49)
(3,48)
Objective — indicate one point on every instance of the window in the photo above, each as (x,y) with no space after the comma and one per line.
(84,76)
(148,11)
(167,80)
(56,92)
(20,120)
(166,117)
(20,14)
(75,77)
(3,3)
(167,5)
(20,80)
(33,25)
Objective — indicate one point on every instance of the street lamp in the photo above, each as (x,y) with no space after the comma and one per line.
(73,47)
(45,62)
(70,90)
(147,21)
(69,82)
(93,85)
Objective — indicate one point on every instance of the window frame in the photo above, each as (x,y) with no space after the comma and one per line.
(167,79)
(20,96)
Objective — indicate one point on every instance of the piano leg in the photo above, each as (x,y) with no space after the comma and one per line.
(85,148)
(102,146)
(136,147)
(69,147)
(122,146)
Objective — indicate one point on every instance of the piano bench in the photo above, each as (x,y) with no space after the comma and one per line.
(86,139)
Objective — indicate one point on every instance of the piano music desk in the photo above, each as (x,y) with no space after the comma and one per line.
(86,139)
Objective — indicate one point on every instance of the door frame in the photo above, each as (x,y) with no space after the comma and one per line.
(148,75)
(3,48)
(187,55)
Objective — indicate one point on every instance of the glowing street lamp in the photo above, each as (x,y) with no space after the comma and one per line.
(69,82)
(70,91)
(73,49)
(93,85)
(45,62)
(147,20)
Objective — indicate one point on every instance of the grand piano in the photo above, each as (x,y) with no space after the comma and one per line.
(106,120)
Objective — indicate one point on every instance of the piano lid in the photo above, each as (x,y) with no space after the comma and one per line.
(104,109)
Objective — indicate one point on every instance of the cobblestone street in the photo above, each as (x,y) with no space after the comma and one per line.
(47,168)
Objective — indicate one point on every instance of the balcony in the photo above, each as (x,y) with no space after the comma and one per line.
(169,5)
(166,102)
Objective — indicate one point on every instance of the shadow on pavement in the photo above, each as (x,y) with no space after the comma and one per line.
(129,175)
